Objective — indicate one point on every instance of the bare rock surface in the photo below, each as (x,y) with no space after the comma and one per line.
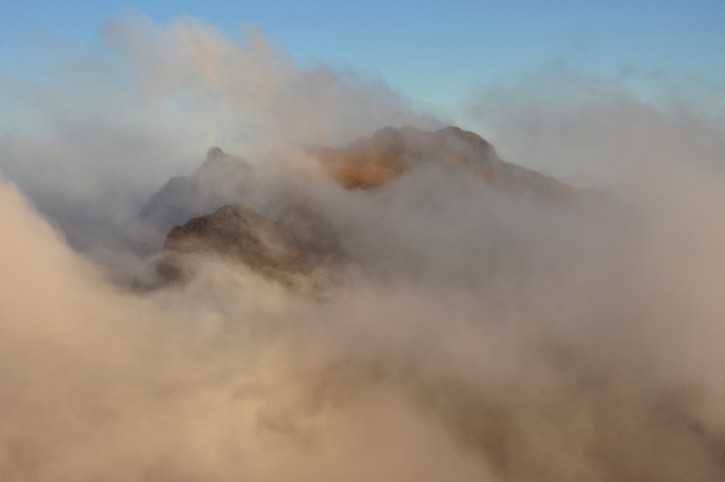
(370,162)
(239,233)
(290,236)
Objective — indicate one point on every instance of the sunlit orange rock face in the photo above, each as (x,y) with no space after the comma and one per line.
(370,162)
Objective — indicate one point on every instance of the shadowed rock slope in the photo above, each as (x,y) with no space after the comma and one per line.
(241,234)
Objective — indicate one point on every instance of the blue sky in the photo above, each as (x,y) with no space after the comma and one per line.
(433,51)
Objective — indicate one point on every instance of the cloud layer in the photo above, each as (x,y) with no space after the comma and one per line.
(481,337)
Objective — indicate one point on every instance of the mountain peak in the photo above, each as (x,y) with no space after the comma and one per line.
(370,162)
(289,236)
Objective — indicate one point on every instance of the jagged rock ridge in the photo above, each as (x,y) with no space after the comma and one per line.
(239,232)
(292,237)
(215,183)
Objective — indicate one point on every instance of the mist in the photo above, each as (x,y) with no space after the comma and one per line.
(476,335)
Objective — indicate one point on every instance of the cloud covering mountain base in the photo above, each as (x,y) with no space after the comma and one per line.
(480,336)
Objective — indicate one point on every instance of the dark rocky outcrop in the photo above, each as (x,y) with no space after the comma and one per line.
(239,234)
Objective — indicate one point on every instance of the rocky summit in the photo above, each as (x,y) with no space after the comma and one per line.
(370,162)
(290,237)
